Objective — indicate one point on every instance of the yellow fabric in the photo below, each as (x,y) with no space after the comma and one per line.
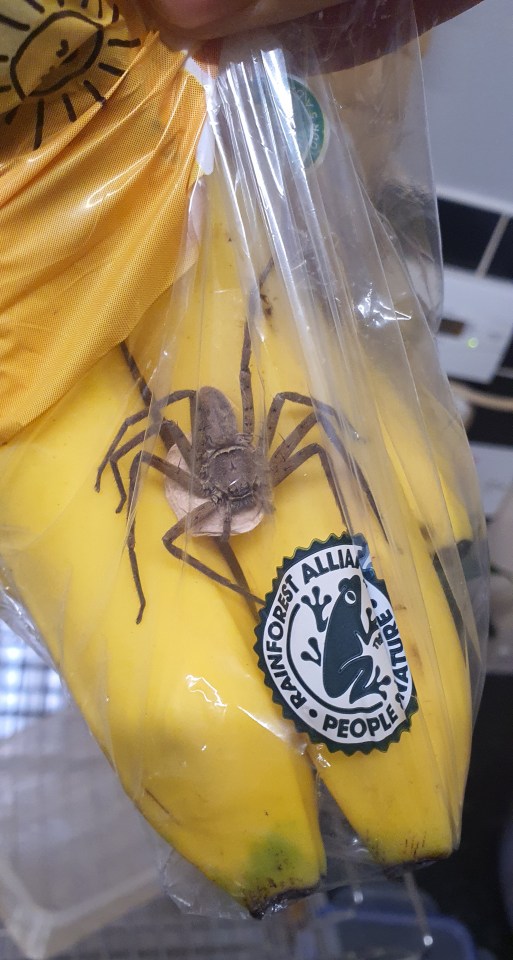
(98,131)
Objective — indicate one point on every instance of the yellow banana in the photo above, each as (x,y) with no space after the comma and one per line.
(405,803)
(177,701)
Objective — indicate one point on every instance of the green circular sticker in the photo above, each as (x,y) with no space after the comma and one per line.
(309,121)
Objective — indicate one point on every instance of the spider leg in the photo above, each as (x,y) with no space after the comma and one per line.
(143,386)
(144,389)
(283,467)
(289,444)
(246,390)
(226,551)
(276,407)
(174,435)
(122,452)
(273,415)
(284,461)
(135,418)
(227,522)
(230,559)
(198,515)
(170,432)
(352,465)
(327,418)
(186,480)
(195,517)
(174,473)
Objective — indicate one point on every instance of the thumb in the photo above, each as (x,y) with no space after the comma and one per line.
(204,19)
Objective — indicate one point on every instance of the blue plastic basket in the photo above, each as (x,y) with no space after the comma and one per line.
(366,934)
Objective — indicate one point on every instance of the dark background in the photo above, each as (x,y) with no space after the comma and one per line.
(468,885)
(475,884)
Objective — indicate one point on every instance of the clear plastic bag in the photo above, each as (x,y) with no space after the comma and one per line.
(264,556)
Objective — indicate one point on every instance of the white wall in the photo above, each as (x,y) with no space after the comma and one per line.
(468,73)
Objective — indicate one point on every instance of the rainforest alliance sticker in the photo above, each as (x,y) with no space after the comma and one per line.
(309,122)
(330,649)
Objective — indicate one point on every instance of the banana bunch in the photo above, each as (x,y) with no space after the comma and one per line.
(214,757)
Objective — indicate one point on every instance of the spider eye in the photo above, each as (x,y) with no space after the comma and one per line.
(350,597)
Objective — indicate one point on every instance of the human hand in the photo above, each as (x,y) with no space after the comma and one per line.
(180,20)
(205,19)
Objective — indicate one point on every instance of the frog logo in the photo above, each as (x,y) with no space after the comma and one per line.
(330,649)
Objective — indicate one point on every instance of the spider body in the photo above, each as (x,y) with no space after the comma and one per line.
(221,481)
(232,471)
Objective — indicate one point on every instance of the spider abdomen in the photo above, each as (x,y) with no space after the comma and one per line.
(215,422)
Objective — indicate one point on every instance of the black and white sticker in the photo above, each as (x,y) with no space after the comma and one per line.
(330,649)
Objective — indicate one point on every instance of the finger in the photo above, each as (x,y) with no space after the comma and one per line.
(346,34)
(206,19)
